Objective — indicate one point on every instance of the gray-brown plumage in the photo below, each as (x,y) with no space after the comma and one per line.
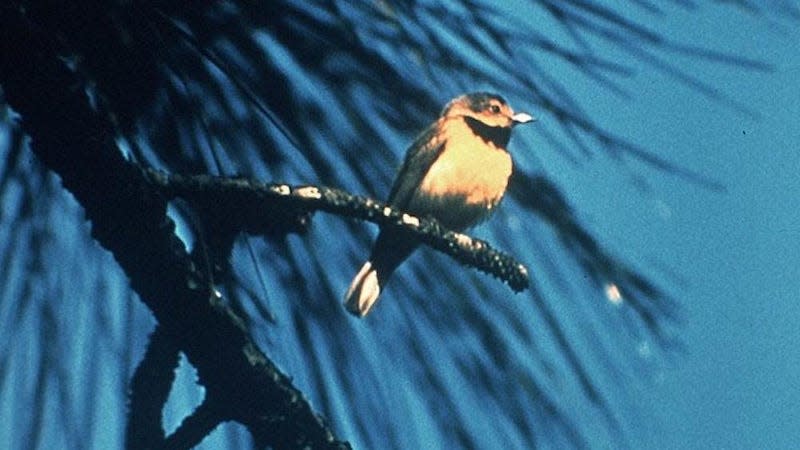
(456,171)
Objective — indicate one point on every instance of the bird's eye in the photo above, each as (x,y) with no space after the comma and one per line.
(494,109)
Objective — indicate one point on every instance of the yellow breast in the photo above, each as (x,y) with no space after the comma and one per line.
(467,180)
(468,167)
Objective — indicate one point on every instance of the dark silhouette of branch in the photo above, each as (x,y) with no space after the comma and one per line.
(128,218)
(150,388)
(196,426)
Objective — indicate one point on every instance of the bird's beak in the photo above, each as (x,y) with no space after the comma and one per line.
(522,118)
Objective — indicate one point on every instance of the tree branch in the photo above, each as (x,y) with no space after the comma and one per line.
(241,204)
(128,217)
(194,427)
(150,387)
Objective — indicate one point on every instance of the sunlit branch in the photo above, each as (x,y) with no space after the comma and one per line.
(256,207)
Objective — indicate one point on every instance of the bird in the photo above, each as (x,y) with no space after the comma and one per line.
(455,171)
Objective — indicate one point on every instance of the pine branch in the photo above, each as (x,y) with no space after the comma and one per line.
(241,204)
(128,218)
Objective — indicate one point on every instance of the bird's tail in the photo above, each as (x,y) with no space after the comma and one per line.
(363,291)
(391,248)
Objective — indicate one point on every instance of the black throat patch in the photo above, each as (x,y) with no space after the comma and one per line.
(499,136)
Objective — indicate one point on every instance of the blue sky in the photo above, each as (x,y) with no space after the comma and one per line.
(735,254)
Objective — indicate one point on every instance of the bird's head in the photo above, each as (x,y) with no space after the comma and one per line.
(489,109)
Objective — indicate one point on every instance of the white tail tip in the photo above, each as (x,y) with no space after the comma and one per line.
(363,291)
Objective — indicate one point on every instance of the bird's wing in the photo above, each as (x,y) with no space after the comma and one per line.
(419,158)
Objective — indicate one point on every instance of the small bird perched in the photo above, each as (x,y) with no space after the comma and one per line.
(456,171)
